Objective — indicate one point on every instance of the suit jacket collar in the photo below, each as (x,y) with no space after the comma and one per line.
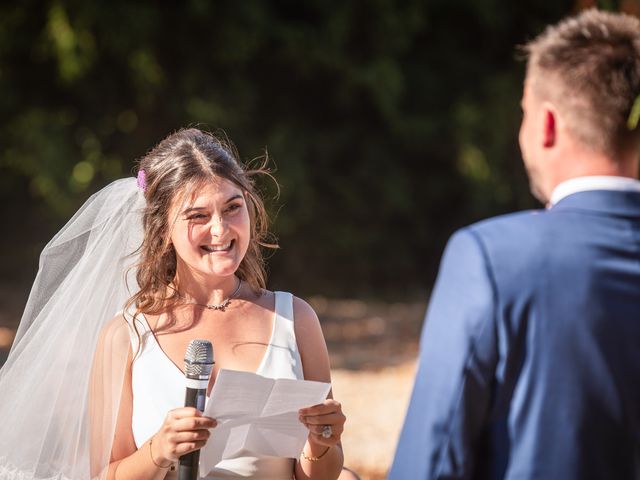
(608,202)
(593,182)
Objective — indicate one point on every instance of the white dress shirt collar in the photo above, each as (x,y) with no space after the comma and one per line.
(583,184)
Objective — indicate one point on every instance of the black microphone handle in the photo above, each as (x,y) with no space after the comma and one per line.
(188,467)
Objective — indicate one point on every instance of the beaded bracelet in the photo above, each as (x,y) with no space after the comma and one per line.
(315,459)
(151,455)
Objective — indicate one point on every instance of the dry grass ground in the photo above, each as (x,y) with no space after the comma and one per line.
(375,403)
(373,347)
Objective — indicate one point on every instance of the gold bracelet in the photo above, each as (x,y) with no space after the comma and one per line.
(315,459)
(151,455)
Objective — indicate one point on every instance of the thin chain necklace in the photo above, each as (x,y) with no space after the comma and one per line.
(219,306)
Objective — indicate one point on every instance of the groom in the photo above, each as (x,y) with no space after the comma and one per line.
(530,355)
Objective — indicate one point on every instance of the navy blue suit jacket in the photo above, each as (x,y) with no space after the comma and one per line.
(530,354)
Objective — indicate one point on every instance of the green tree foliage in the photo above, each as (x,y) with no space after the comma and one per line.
(391,122)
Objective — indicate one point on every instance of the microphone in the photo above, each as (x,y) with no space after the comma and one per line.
(198,363)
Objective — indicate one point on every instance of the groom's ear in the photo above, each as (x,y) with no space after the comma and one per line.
(549,132)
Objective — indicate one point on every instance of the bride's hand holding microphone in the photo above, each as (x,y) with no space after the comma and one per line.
(184,430)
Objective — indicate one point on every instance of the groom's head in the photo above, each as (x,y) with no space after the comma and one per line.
(582,82)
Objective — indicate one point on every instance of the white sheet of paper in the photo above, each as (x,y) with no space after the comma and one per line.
(257,416)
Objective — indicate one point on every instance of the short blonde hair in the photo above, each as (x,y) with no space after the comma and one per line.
(589,67)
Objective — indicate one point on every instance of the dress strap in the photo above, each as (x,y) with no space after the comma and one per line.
(284,305)
(138,329)
(282,359)
(283,331)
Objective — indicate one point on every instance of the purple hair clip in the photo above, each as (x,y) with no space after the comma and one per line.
(141,180)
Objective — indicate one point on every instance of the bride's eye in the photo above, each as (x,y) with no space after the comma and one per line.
(197,216)
(233,208)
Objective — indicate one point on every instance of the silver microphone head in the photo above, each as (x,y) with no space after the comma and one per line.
(198,359)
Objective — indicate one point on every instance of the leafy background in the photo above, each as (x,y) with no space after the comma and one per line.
(390,122)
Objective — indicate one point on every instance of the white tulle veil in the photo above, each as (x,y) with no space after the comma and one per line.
(61,384)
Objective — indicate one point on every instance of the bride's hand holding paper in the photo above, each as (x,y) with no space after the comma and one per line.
(324,421)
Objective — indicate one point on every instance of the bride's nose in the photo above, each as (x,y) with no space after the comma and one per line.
(218,225)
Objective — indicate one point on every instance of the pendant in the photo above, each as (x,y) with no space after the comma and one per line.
(221,306)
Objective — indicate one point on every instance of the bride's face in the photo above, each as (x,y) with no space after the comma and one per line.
(212,229)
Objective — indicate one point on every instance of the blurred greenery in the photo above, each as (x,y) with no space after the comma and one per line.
(391,122)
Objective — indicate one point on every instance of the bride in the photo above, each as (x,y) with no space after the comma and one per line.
(177,251)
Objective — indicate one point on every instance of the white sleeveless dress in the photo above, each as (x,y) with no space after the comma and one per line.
(159,386)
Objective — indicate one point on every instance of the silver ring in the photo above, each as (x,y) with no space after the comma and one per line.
(326,431)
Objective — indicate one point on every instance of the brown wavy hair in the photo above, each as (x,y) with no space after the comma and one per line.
(176,167)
